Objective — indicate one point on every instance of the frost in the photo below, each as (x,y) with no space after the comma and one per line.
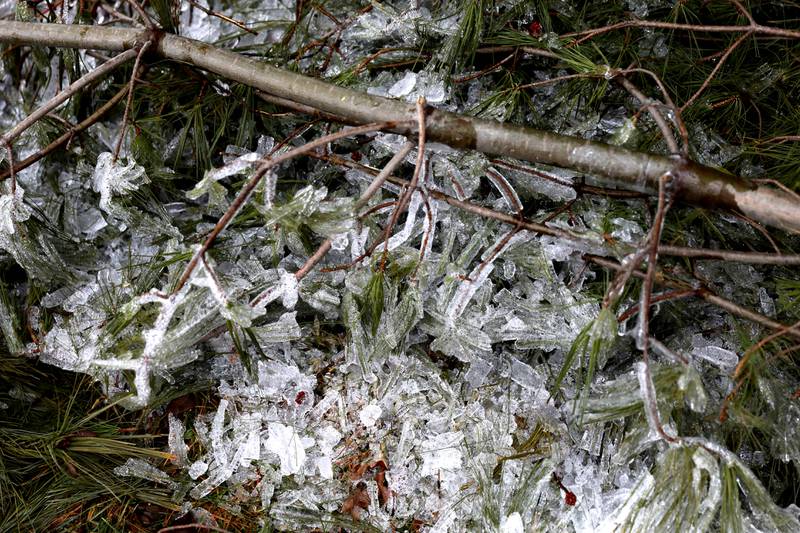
(525,376)
(288,445)
(285,329)
(369,415)
(441,452)
(112,178)
(250,429)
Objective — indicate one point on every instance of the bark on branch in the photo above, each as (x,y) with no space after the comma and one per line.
(696,184)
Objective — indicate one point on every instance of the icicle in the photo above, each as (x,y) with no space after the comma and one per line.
(467,289)
(506,190)
(411,216)
(217,428)
(144,470)
(177,446)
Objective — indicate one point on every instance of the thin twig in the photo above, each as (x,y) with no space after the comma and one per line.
(526,49)
(119,17)
(578,187)
(675,294)
(643,335)
(224,17)
(376,184)
(706,295)
(142,13)
(761,229)
(676,26)
(483,72)
(737,373)
(10,152)
(651,107)
(131,85)
(677,118)
(714,71)
(384,174)
(406,198)
(427,234)
(677,251)
(754,258)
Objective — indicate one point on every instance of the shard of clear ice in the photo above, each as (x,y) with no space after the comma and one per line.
(524,375)
(726,360)
(144,470)
(441,452)
(218,447)
(249,424)
(469,286)
(404,85)
(12,210)
(369,415)
(177,446)
(197,469)
(288,445)
(411,216)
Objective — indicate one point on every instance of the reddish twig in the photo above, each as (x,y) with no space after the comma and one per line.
(757,29)
(376,184)
(716,68)
(665,297)
(659,119)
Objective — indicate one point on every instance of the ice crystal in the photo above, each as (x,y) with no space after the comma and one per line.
(288,445)
(112,178)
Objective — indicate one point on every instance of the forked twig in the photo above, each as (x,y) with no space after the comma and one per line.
(244,194)
(376,184)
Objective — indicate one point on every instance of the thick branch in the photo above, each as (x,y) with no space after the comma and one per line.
(697,184)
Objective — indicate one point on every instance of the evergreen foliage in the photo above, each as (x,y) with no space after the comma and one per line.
(476,375)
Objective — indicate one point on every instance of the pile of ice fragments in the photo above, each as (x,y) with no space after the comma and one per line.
(435,411)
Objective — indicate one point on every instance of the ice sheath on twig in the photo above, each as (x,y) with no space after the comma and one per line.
(697,184)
